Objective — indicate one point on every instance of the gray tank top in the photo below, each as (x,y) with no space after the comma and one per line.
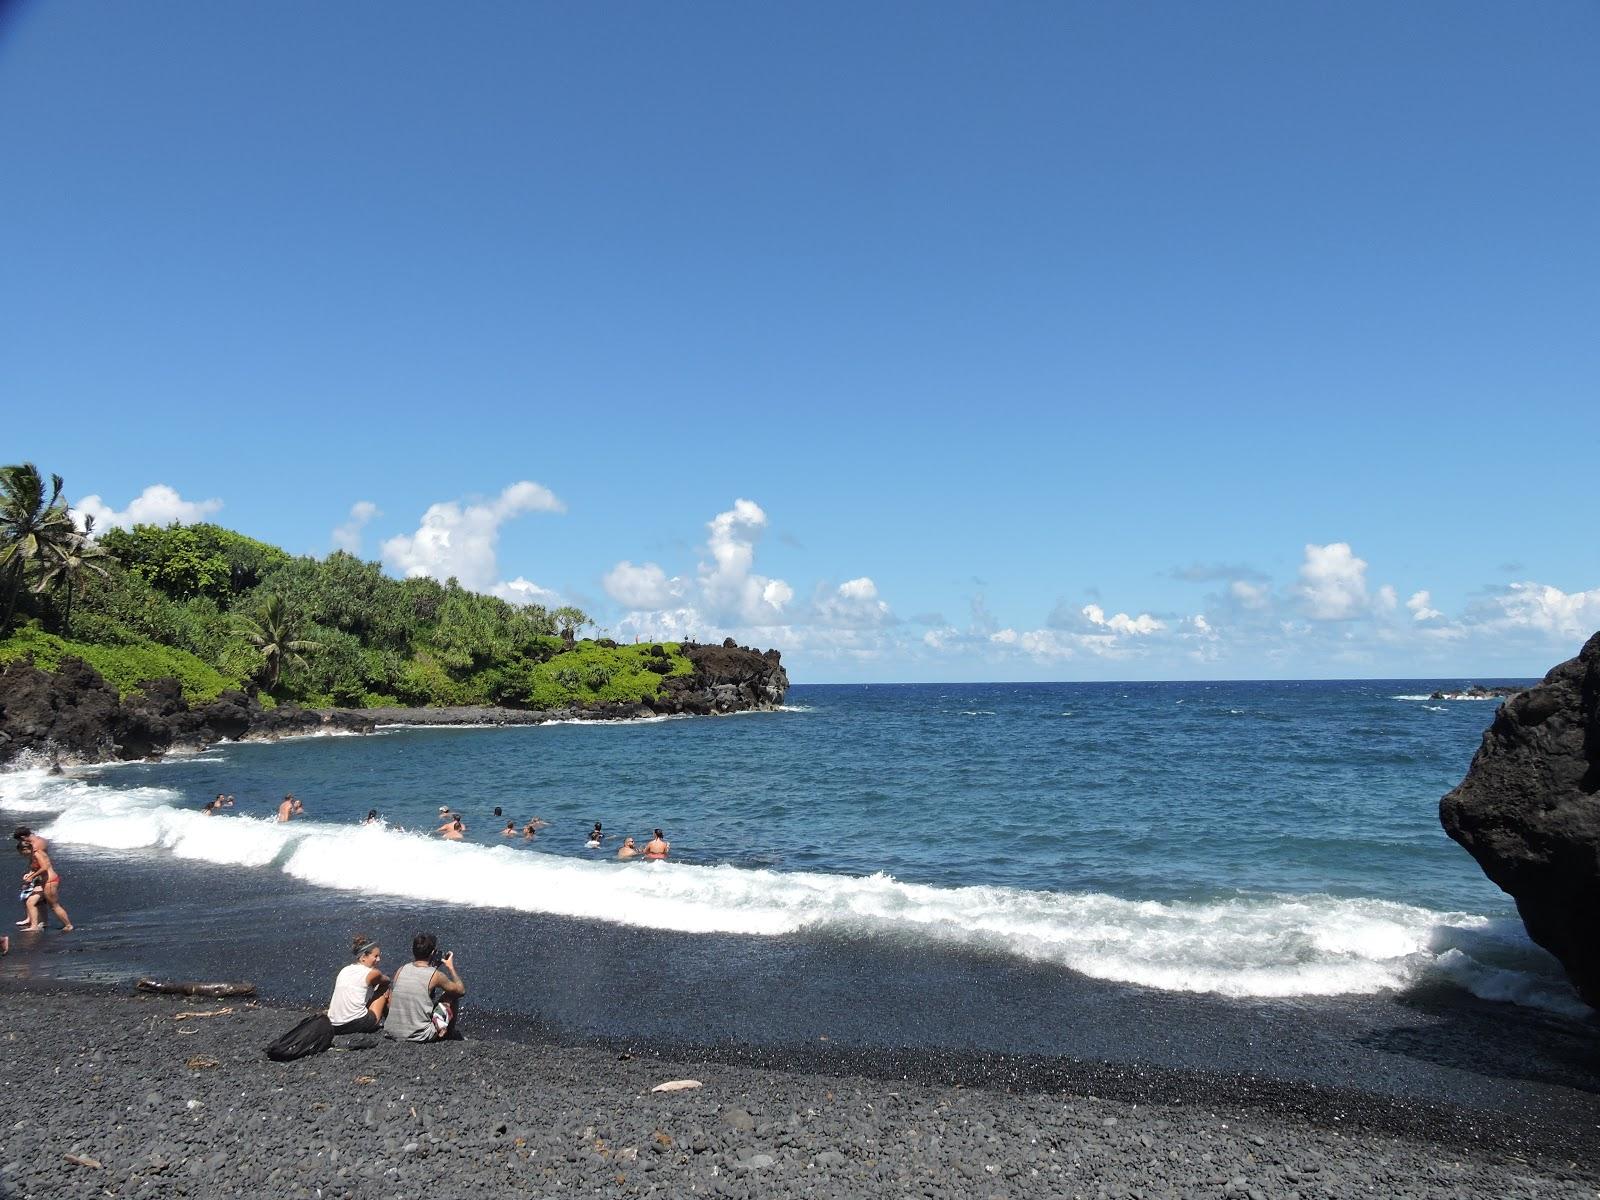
(411,1006)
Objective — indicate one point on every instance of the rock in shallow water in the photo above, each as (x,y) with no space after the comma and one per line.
(1528,812)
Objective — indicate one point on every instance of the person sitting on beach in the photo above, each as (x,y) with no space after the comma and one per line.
(627,849)
(595,838)
(42,883)
(452,830)
(360,990)
(657,847)
(423,1003)
(510,830)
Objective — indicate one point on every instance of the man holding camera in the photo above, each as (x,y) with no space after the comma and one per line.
(425,995)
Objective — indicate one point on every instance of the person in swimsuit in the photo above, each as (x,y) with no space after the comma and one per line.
(290,808)
(217,805)
(627,849)
(510,830)
(657,847)
(595,838)
(452,830)
(531,829)
(372,817)
(360,991)
(46,881)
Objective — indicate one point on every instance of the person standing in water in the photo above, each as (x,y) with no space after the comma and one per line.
(627,849)
(290,808)
(657,847)
(596,836)
(45,879)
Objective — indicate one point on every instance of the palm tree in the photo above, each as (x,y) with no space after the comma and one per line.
(32,529)
(73,561)
(275,633)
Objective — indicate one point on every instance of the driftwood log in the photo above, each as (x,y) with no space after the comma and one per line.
(189,987)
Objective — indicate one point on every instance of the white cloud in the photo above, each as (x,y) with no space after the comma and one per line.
(640,587)
(1421,608)
(1386,599)
(347,537)
(1549,610)
(522,591)
(1250,595)
(854,604)
(1333,582)
(158,504)
(1141,626)
(460,541)
(729,585)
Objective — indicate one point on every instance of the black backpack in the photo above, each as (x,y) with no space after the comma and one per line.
(311,1036)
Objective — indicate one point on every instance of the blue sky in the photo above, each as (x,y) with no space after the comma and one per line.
(920,341)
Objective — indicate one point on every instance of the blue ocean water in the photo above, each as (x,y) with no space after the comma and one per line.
(1245,838)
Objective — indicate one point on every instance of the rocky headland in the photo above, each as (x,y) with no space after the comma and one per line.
(72,715)
(1528,812)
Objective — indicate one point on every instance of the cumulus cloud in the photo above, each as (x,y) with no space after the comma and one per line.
(1548,610)
(1421,606)
(1333,582)
(1254,596)
(347,537)
(158,504)
(854,604)
(729,584)
(645,586)
(1141,626)
(520,591)
(460,540)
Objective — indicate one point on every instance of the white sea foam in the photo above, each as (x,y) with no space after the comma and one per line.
(1255,945)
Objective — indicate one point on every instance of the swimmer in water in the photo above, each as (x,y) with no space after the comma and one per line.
(595,838)
(627,849)
(510,830)
(531,829)
(372,817)
(657,847)
(452,830)
(290,808)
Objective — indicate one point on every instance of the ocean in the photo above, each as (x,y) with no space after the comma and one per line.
(1232,839)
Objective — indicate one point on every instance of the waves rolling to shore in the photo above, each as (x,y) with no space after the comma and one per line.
(1240,945)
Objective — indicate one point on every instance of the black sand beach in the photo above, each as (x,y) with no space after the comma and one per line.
(1002,1069)
(133,1096)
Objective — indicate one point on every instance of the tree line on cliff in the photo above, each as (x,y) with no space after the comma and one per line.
(218,610)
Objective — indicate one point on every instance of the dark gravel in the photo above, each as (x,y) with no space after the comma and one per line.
(150,1102)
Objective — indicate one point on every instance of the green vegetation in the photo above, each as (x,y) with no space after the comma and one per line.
(220,610)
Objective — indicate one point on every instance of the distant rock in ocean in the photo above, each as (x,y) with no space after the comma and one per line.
(1529,812)
(1478,692)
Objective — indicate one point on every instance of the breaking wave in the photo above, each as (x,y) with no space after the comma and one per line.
(1261,945)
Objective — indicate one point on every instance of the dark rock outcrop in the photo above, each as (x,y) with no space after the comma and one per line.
(73,715)
(1529,812)
(727,678)
(1474,691)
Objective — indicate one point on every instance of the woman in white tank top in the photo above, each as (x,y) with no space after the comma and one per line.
(360,991)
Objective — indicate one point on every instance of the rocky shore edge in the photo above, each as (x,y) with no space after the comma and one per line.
(73,716)
(132,1095)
